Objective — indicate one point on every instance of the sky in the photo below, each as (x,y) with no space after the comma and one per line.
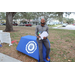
(70,16)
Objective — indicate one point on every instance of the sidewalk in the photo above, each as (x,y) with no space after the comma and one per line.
(6,58)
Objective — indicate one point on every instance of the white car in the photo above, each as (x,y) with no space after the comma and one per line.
(64,24)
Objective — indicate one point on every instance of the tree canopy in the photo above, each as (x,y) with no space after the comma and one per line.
(46,15)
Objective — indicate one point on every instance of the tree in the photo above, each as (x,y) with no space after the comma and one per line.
(17,16)
(2,15)
(70,21)
(50,15)
(59,15)
(9,21)
(28,15)
(45,15)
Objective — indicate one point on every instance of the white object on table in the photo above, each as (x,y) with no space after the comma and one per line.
(44,34)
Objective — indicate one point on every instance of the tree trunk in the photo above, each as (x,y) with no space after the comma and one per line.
(9,21)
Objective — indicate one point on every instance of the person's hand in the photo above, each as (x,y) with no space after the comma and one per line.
(44,37)
(38,37)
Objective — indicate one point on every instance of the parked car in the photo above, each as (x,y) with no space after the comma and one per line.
(4,24)
(64,24)
(28,25)
(21,24)
(15,24)
(74,24)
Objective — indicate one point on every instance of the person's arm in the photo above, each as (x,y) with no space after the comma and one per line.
(36,32)
(47,30)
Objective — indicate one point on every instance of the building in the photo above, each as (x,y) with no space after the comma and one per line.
(25,21)
(52,22)
(37,21)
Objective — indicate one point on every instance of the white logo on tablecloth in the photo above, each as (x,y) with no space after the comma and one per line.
(31,47)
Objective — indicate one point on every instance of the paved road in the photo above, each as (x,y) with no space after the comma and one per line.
(68,27)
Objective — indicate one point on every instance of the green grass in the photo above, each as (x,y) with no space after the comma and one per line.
(26,33)
(53,25)
(67,40)
(15,35)
(65,34)
(62,38)
(51,42)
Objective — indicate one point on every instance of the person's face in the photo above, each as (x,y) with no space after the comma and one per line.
(42,22)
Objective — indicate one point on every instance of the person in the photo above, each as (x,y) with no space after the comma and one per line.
(40,29)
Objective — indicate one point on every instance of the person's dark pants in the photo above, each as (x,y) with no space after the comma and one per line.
(46,44)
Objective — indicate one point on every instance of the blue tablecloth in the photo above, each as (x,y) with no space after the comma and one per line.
(29,46)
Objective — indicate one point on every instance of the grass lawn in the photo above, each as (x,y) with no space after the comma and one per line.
(53,25)
(62,44)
